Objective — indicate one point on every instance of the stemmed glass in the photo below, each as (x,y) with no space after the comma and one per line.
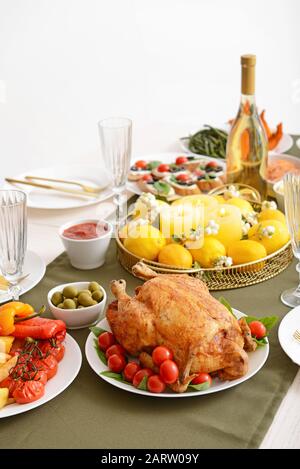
(115,137)
(13,237)
(291,297)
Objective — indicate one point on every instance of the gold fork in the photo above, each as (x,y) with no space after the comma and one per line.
(296,335)
(92,190)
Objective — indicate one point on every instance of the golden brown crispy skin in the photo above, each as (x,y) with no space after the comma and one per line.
(179,312)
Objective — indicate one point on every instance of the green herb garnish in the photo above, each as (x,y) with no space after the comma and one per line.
(162,187)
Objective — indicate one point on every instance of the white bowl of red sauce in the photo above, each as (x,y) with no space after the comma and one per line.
(86,242)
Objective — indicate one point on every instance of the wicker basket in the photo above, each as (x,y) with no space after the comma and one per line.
(223,278)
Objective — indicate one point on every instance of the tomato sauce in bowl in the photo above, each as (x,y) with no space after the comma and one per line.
(88,230)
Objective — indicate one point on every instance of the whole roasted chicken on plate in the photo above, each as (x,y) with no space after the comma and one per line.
(179,312)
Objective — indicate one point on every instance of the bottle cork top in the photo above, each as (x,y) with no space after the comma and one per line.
(248,59)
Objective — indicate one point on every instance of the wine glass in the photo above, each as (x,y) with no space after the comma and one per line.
(13,237)
(115,137)
(291,182)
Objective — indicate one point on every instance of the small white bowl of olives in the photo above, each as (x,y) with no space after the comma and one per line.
(78,304)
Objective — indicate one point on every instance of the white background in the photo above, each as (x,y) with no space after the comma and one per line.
(170,65)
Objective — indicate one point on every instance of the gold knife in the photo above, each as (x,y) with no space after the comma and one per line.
(54,188)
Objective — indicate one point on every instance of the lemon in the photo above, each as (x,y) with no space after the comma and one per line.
(246,251)
(208,254)
(274,241)
(244,206)
(177,255)
(269,214)
(144,241)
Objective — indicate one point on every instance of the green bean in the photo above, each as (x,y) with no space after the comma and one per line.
(209,141)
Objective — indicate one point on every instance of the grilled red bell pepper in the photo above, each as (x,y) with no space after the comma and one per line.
(40,328)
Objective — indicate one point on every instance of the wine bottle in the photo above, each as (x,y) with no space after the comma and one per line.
(247,145)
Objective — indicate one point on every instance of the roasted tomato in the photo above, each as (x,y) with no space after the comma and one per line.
(48,364)
(50,347)
(28,391)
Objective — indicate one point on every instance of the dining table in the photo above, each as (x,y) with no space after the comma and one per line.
(43,238)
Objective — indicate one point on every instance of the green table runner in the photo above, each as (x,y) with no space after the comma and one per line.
(93,414)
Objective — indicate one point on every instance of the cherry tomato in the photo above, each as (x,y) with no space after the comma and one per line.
(163,168)
(138,377)
(183,177)
(257,329)
(105,340)
(181,159)
(147,178)
(169,371)
(212,164)
(155,384)
(48,364)
(160,354)
(115,349)
(130,370)
(28,391)
(202,378)
(116,363)
(140,164)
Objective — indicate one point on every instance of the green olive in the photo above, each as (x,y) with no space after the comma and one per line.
(93,286)
(61,305)
(84,291)
(97,295)
(69,304)
(80,307)
(70,292)
(57,298)
(94,302)
(85,300)
(75,301)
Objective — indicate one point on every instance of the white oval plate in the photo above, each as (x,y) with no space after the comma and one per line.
(256,360)
(36,267)
(67,371)
(48,199)
(286,142)
(287,327)
(164,158)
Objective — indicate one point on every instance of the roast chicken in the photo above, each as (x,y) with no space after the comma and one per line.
(179,312)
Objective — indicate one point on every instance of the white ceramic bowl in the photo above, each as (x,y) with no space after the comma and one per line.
(278,191)
(77,318)
(86,254)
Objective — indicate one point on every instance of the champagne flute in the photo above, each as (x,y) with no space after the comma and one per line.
(291,297)
(115,137)
(13,238)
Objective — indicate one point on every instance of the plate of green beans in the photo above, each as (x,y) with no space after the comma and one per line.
(208,141)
